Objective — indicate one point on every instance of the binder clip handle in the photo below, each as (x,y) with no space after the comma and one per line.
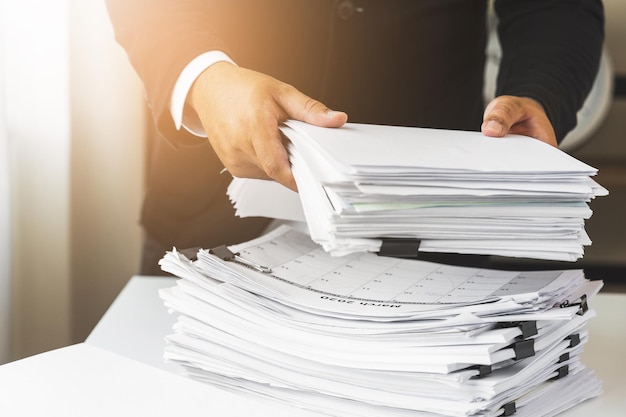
(226,254)
(584,307)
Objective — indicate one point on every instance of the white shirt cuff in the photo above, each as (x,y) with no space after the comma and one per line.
(189,120)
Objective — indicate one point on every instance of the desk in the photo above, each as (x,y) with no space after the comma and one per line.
(136,324)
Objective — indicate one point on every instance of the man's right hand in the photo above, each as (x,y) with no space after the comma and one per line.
(241,111)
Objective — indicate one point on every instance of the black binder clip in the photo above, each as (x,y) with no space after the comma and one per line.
(574,339)
(584,307)
(509,409)
(190,253)
(225,254)
(564,357)
(562,372)
(524,349)
(400,248)
(483,370)
(528,328)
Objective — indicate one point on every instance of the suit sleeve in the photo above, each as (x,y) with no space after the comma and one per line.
(551,51)
(160,38)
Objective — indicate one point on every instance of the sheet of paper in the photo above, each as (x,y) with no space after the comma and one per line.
(358,147)
(252,198)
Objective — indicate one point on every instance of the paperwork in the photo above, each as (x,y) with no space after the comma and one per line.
(454,191)
(364,335)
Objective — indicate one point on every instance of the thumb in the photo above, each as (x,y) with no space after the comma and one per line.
(299,106)
(519,115)
(500,115)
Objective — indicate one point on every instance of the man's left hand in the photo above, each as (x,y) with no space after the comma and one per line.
(517,115)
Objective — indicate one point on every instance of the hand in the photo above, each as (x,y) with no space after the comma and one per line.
(241,111)
(518,115)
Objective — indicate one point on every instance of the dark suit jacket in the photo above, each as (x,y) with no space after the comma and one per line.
(403,62)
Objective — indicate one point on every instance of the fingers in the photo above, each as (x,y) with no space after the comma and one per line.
(241,111)
(270,154)
(499,116)
(301,107)
(288,103)
(241,119)
(294,105)
(255,150)
(272,157)
(517,115)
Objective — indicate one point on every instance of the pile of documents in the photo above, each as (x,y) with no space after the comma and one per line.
(454,191)
(363,335)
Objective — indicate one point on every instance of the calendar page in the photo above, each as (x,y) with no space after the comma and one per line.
(298,266)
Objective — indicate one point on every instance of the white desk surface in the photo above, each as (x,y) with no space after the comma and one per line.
(137,322)
(87,381)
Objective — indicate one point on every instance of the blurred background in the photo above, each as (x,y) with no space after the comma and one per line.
(72,146)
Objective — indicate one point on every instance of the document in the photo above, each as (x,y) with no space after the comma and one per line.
(380,288)
(453,191)
(366,335)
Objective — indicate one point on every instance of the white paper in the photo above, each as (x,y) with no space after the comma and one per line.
(458,192)
(366,335)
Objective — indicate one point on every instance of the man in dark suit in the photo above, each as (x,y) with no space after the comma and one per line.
(233,70)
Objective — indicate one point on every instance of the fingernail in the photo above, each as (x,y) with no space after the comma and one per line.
(495,127)
(335,118)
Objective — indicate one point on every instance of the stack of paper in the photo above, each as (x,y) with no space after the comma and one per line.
(456,191)
(363,335)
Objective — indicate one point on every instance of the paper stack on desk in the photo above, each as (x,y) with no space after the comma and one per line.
(454,191)
(364,335)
